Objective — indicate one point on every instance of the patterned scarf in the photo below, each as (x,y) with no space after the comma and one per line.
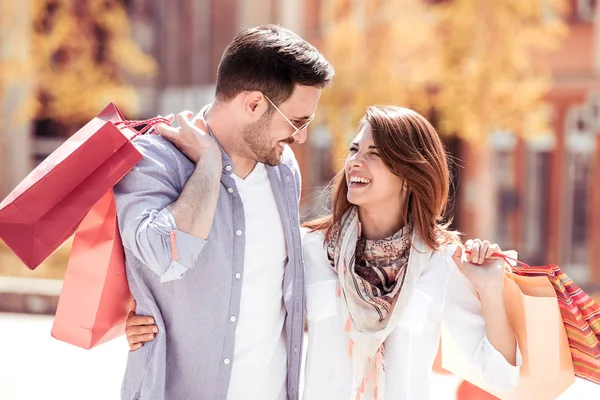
(380,268)
(376,281)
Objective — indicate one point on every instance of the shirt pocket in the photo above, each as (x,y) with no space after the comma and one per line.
(417,316)
(321,300)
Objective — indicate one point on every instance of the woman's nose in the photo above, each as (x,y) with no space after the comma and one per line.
(356,160)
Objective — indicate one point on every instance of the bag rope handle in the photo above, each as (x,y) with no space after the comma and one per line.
(150,123)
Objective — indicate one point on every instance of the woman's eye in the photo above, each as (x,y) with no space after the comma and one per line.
(374,154)
(353,149)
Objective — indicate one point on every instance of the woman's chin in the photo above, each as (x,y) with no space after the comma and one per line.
(355,200)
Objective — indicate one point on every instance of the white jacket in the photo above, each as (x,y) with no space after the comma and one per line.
(442,294)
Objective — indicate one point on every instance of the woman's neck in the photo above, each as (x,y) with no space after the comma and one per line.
(380,222)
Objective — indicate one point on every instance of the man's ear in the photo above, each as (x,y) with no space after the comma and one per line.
(254,104)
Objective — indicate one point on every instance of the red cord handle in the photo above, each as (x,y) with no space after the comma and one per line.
(505,258)
(150,123)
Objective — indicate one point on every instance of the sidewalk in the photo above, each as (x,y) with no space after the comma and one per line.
(35,366)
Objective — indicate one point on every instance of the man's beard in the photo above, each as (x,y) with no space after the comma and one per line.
(257,143)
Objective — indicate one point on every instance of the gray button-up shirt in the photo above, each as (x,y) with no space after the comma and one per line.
(192,286)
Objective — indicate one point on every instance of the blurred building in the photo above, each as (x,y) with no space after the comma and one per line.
(546,200)
(548,192)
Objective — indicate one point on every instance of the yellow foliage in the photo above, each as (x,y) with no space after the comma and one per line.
(480,64)
(81,53)
(375,63)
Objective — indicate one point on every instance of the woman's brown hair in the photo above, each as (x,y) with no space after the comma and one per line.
(412,149)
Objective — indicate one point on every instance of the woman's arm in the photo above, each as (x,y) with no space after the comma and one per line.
(486,274)
(475,315)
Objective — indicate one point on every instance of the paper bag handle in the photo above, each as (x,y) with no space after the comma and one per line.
(150,123)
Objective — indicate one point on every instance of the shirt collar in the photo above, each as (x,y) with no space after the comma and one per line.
(226,160)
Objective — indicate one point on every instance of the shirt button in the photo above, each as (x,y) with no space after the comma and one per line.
(226,361)
(233,318)
(238,275)
(230,190)
(239,232)
(228,168)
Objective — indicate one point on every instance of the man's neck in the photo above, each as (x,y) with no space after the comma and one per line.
(226,132)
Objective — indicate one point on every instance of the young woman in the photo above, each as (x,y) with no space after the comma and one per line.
(383,272)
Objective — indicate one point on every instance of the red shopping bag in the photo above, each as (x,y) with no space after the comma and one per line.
(94,301)
(45,209)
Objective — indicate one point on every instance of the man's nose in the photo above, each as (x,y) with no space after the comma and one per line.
(301,136)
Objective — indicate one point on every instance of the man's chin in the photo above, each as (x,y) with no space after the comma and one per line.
(274,159)
(272,162)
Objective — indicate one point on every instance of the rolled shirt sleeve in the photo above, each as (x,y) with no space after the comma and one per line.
(496,371)
(147,227)
(463,317)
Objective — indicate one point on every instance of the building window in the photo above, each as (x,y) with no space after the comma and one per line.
(540,141)
(535,206)
(580,147)
(504,144)
(321,171)
(586,9)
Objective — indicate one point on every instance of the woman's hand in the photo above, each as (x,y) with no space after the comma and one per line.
(483,270)
(486,273)
(139,330)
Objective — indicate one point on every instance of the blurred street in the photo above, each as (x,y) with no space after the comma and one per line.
(43,368)
(36,366)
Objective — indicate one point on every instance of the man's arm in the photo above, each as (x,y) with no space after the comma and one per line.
(148,229)
(164,225)
(194,209)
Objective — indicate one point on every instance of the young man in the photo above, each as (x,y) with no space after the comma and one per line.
(209,221)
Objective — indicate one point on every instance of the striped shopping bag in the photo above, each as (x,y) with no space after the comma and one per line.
(580,315)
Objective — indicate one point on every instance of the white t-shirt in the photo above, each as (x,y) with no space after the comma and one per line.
(259,367)
(442,294)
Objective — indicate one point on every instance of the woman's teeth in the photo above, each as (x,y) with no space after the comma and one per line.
(357,180)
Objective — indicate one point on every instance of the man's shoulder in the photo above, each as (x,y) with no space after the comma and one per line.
(151,143)
(157,149)
(162,159)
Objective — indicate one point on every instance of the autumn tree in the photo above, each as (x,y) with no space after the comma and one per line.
(472,67)
(83,53)
(465,59)
(80,57)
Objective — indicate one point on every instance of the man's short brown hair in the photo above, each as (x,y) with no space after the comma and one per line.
(273,60)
